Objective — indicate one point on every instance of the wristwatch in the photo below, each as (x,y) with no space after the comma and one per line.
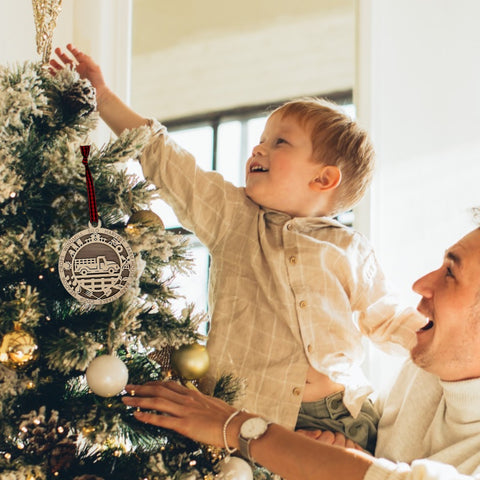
(251,429)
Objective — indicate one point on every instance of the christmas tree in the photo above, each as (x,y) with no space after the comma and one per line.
(60,417)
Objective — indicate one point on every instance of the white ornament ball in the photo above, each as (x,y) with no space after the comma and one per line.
(107,375)
(235,468)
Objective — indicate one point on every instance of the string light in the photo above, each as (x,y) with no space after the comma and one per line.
(13,194)
(8,456)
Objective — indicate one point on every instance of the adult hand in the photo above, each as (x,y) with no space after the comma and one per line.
(330,438)
(186,411)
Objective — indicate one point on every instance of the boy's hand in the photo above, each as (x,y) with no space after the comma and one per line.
(83,64)
(330,438)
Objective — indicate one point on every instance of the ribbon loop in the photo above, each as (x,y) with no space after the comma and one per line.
(92,202)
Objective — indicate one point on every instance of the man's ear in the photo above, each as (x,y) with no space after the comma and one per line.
(327,178)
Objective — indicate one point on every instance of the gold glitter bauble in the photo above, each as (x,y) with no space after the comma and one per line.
(19,349)
(190,362)
(145,218)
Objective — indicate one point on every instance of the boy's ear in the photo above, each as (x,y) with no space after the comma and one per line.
(327,178)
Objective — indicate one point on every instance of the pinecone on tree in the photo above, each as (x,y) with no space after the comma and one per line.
(78,100)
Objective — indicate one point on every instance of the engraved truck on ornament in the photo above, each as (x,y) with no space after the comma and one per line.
(95,266)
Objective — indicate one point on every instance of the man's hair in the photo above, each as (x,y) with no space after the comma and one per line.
(336,140)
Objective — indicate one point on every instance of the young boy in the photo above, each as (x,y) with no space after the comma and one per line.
(285,278)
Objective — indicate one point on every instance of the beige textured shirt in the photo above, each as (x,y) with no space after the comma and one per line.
(282,290)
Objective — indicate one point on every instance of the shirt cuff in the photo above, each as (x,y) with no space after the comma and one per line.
(382,469)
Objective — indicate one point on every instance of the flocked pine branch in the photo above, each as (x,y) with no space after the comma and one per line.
(53,425)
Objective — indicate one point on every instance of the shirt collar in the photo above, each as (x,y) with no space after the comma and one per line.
(303,223)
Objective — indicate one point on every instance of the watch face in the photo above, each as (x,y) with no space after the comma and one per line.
(253,427)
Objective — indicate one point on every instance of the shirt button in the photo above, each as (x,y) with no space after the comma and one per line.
(293,260)
(310,348)
(289,226)
(303,304)
(297,391)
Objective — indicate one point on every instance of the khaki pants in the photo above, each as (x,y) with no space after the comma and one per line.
(331,414)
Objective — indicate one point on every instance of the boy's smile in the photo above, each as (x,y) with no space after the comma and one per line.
(281,168)
(256,167)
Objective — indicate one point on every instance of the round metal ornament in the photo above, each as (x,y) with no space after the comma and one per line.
(96,265)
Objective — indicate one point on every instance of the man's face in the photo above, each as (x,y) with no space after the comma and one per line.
(449,345)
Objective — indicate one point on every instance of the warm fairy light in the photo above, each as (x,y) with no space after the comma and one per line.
(20,446)
(30,385)
(47,318)
(13,194)
(192,463)
(60,429)
(56,474)
(36,421)
(40,277)
(52,269)
(24,429)
(117,453)
(8,456)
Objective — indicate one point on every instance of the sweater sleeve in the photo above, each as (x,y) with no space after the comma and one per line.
(383,469)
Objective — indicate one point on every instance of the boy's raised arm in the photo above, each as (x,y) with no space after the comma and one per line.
(116,114)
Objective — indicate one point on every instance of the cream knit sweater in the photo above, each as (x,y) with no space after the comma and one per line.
(429,429)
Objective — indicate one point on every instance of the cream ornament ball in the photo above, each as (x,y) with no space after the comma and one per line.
(107,375)
(235,468)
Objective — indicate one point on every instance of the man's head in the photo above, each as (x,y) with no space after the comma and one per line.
(336,141)
(450,343)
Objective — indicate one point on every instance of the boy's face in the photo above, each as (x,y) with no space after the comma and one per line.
(281,167)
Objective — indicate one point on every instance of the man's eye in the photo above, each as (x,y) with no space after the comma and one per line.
(281,140)
(449,273)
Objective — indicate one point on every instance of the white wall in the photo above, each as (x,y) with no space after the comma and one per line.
(256,52)
(418,93)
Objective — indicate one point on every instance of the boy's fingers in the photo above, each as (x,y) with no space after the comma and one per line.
(55,65)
